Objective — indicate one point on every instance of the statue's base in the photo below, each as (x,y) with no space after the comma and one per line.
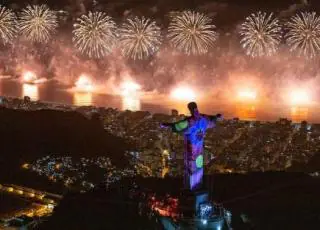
(190,201)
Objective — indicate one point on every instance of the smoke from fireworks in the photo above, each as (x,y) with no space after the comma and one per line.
(37,23)
(304,34)
(191,32)
(261,34)
(8,25)
(139,38)
(94,34)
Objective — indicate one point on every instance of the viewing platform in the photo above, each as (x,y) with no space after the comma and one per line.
(191,211)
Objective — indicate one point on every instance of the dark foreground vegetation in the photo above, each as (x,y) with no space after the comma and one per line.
(257,201)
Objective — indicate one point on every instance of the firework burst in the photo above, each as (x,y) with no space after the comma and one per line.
(191,32)
(304,34)
(139,38)
(94,34)
(261,34)
(37,23)
(8,25)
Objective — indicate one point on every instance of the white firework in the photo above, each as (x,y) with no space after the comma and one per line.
(94,34)
(139,38)
(261,34)
(8,25)
(304,34)
(37,23)
(191,32)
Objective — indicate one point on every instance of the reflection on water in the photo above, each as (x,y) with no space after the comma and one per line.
(246,112)
(299,114)
(82,99)
(52,92)
(131,103)
(31,91)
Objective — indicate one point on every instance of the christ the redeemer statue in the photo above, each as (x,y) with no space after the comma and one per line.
(194,129)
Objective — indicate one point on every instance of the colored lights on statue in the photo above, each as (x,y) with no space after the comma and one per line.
(181,125)
(199,161)
(194,129)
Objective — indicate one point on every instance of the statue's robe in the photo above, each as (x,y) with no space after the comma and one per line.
(194,129)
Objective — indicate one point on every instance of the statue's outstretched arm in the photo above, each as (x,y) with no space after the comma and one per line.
(176,126)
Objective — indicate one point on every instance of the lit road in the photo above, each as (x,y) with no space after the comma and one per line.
(42,203)
(41,196)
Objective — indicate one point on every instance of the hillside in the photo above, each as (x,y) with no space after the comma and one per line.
(28,135)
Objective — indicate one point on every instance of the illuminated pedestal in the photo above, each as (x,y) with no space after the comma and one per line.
(190,202)
(196,212)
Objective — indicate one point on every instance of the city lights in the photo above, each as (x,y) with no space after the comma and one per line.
(61,169)
(25,166)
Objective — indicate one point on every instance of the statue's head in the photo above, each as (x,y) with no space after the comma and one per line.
(193,108)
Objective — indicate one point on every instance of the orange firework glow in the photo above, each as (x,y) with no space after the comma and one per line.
(31,91)
(129,88)
(300,97)
(183,94)
(132,104)
(130,95)
(29,77)
(247,95)
(84,84)
(299,114)
(246,112)
(82,99)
